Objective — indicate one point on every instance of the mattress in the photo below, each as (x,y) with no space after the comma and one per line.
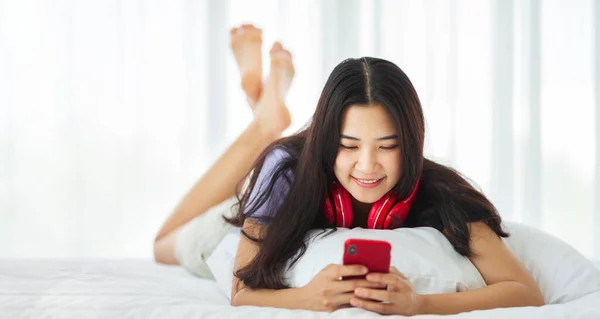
(100,288)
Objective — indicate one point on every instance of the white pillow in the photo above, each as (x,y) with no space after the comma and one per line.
(562,273)
(423,254)
(597,263)
(427,258)
(221,262)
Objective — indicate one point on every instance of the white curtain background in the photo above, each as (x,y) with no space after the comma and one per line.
(111,110)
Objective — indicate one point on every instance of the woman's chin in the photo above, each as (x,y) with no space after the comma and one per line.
(366,198)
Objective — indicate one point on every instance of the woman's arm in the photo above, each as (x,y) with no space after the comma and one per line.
(509,284)
(241,295)
(499,295)
(290,298)
(325,292)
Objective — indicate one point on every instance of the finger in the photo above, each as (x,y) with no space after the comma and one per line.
(375,294)
(393,281)
(388,279)
(350,270)
(393,270)
(351,285)
(342,299)
(344,306)
(375,306)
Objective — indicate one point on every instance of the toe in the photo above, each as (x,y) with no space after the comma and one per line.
(286,52)
(276,47)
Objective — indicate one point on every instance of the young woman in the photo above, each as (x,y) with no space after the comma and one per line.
(360,164)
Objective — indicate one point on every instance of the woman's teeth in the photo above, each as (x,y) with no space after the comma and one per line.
(372,181)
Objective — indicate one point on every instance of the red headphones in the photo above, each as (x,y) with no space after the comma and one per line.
(383,215)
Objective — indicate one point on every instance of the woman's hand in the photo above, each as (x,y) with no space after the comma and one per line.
(399,298)
(327,292)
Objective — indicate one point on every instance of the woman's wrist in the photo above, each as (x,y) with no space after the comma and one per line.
(419,305)
(290,298)
(302,299)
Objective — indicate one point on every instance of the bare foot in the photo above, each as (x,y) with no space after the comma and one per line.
(246,44)
(271,109)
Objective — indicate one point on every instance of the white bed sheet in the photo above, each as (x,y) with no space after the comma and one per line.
(93,288)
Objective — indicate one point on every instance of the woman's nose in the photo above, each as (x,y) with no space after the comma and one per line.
(367,162)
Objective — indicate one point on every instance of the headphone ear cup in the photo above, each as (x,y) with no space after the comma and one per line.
(397,215)
(328,209)
(343,205)
(399,212)
(379,211)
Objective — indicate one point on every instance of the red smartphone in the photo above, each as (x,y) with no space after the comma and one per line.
(374,254)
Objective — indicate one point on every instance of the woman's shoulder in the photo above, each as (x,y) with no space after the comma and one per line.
(277,154)
(271,186)
(275,159)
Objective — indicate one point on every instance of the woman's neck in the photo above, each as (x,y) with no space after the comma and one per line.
(361,213)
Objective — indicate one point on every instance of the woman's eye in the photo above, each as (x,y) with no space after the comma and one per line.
(387,148)
(348,147)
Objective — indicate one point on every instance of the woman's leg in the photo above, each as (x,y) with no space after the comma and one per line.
(271,117)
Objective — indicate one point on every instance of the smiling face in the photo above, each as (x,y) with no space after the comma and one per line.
(368,163)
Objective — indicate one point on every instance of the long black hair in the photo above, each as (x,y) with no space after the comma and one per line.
(444,200)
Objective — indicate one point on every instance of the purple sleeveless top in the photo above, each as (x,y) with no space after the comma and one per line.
(268,209)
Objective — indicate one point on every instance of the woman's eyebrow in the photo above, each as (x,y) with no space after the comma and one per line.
(389,137)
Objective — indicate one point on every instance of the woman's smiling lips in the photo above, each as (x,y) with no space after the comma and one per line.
(367,183)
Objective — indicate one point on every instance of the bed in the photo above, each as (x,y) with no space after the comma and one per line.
(199,288)
(99,288)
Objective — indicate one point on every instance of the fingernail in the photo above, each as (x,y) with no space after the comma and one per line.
(354,302)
